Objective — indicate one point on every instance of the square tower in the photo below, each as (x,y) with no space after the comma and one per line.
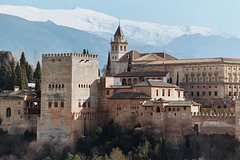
(69,84)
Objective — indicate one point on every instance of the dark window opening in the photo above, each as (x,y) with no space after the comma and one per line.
(8,112)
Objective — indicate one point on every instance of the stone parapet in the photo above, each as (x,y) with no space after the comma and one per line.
(212,114)
(64,55)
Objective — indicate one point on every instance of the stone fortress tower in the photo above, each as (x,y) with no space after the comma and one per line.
(69,86)
(119,47)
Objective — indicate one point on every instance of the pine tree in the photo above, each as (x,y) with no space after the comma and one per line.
(37,78)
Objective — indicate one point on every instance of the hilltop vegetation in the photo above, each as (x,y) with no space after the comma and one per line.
(17,74)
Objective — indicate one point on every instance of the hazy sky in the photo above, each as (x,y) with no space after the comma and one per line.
(222,15)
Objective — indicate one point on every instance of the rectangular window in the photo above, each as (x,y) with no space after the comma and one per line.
(169,109)
(112,48)
(157,92)
(235,93)
(108,92)
(55,104)
(163,92)
(184,108)
(173,109)
(192,94)
(121,48)
(179,94)
(203,93)
(230,93)
(198,94)
(62,104)
(169,92)
(84,104)
(49,104)
(125,48)
(216,93)
(116,48)
(209,93)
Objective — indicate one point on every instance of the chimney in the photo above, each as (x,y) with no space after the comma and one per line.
(16,88)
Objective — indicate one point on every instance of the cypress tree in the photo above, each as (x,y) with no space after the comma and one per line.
(108,69)
(29,72)
(23,61)
(129,63)
(21,77)
(37,78)
(84,51)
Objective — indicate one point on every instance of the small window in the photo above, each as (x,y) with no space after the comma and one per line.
(216,94)
(203,93)
(158,109)
(89,104)
(121,48)
(56,86)
(8,112)
(116,48)
(49,104)
(125,48)
(209,93)
(157,92)
(198,94)
(55,104)
(112,48)
(84,104)
(79,104)
(49,86)
(79,86)
(169,109)
(178,109)
(108,92)
(62,104)
(59,86)
(163,92)
(192,94)
(179,94)
(169,92)
(62,85)
(184,108)
(235,93)
(173,109)
(53,86)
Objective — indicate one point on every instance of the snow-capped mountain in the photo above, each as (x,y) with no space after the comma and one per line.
(104,25)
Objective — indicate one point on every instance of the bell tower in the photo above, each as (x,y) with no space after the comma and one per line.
(119,46)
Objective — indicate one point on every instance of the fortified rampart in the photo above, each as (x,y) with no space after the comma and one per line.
(214,123)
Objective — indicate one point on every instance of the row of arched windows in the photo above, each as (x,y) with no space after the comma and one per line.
(84,85)
(56,86)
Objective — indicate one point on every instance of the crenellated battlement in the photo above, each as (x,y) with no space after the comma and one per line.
(212,114)
(88,115)
(64,55)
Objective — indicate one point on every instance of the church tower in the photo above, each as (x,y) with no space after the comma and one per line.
(119,46)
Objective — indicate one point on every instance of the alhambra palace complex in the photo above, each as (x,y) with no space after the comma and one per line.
(157,90)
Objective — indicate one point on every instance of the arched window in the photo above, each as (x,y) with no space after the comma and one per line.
(124,82)
(8,112)
(53,86)
(56,86)
(158,109)
(129,81)
(49,86)
(59,86)
(135,81)
(62,85)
